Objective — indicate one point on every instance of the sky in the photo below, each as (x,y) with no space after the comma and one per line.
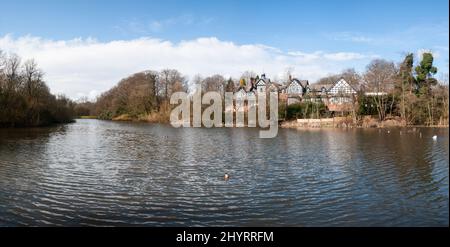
(86,47)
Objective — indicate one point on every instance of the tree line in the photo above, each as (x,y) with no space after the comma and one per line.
(146,95)
(411,91)
(142,96)
(25,99)
(407,90)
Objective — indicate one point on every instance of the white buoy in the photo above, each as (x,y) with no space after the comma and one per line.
(434,137)
(226,177)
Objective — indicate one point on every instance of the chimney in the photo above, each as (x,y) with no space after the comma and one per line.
(290,77)
(263,76)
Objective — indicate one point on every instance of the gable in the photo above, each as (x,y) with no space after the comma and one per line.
(241,93)
(294,87)
(273,87)
(342,87)
(304,83)
(261,82)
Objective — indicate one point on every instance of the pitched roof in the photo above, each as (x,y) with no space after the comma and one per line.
(278,85)
(328,86)
(302,83)
(240,88)
(319,86)
(342,79)
(264,79)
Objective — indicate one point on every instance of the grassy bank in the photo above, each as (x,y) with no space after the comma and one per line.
(342,122)
(154,117)
(87,117)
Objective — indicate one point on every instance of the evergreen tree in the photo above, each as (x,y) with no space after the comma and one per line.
(424,74)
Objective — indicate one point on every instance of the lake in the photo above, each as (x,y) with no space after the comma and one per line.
(103,173)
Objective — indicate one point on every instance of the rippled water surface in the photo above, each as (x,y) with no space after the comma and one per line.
(107,173)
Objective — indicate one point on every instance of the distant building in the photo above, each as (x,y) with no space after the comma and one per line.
(295,90)
(262,84)
(240,94)
(338,96)
(259,85)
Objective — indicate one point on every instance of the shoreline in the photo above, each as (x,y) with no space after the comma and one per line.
(292,124)
(367,122)
(360,127)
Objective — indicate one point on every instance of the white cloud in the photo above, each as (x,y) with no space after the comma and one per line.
(87,67)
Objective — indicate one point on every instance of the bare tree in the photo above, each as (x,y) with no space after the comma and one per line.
(12,71)
(379,79)
(2,68)
(33,77)
(2,61)
(168,78)
(352,77)
(214,83)
(25,99)
(330,79)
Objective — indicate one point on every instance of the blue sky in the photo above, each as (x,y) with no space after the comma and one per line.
(361,30)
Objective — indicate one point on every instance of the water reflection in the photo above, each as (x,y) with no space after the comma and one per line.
(107,173)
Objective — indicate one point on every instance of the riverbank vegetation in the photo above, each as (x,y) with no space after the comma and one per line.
(25,99)
(303,110)
(143,96)
(406,93)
